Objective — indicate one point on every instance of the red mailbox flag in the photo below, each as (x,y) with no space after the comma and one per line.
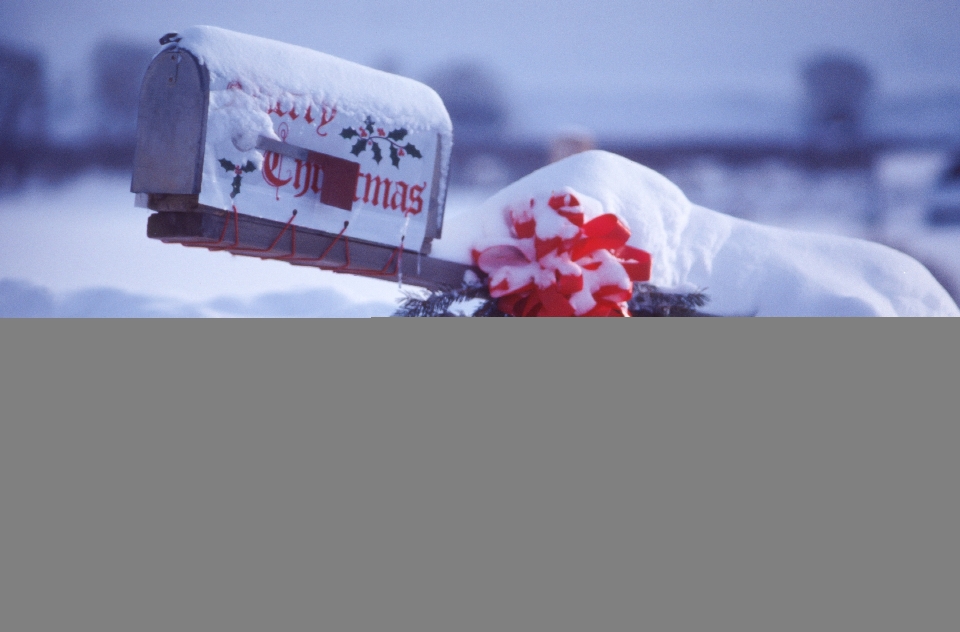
(339,179)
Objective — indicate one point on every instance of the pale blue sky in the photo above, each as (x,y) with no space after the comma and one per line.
(683,45)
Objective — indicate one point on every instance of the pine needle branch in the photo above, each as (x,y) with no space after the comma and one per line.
(438,302)
(648,301)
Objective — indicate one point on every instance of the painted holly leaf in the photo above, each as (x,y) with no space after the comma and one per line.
(348,132)
(358,147)
(369,124)
(227,165)
(397,134)
(412,150)
(249,168)
(394,156)
(236,186)
(377,155)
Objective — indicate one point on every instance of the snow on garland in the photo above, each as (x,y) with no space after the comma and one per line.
(560,263)
(648,301)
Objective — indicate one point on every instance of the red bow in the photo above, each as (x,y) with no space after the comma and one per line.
(547,274)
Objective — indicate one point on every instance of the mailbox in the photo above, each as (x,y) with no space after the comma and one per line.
(276,145)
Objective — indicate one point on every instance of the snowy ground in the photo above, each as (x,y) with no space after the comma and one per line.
(80,249)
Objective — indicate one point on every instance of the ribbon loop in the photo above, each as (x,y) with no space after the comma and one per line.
(580,268)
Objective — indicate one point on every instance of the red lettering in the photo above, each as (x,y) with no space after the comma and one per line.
(317,174)
(326,117)
(307,169)
(401,193)
(366,189)
(292,112)
(386,193)
(376,191)
(272,163)
(416,198)
(356,195)
(373,190)
(405,198)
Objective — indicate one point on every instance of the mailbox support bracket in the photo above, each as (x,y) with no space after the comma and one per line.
(181,220)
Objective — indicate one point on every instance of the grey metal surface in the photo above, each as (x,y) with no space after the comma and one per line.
(437,202)
(256,237)
(171,125)
(287,149)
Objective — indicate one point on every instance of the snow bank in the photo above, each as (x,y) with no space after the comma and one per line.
(747,269)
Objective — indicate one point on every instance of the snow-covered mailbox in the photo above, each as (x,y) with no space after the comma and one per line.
(266,149)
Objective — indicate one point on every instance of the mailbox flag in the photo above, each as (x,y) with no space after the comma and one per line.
(339,179)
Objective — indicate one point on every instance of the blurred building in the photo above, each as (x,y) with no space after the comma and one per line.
(23,113)
(475,101)
(118,69)
(837,92)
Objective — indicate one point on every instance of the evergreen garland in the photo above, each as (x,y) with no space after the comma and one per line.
(438,302)
(648,301)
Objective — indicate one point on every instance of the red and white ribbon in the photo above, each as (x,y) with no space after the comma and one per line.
(560,264)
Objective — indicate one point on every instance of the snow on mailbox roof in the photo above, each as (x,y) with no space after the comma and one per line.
(301,76)
(747,269)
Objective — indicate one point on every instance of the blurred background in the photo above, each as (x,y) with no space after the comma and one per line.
(839,116)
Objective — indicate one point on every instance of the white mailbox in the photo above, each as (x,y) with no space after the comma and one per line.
(244,126)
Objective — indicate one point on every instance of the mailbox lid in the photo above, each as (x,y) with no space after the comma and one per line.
(171,125)
(264,92)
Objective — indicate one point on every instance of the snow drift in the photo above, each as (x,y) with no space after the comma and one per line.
(747,269)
